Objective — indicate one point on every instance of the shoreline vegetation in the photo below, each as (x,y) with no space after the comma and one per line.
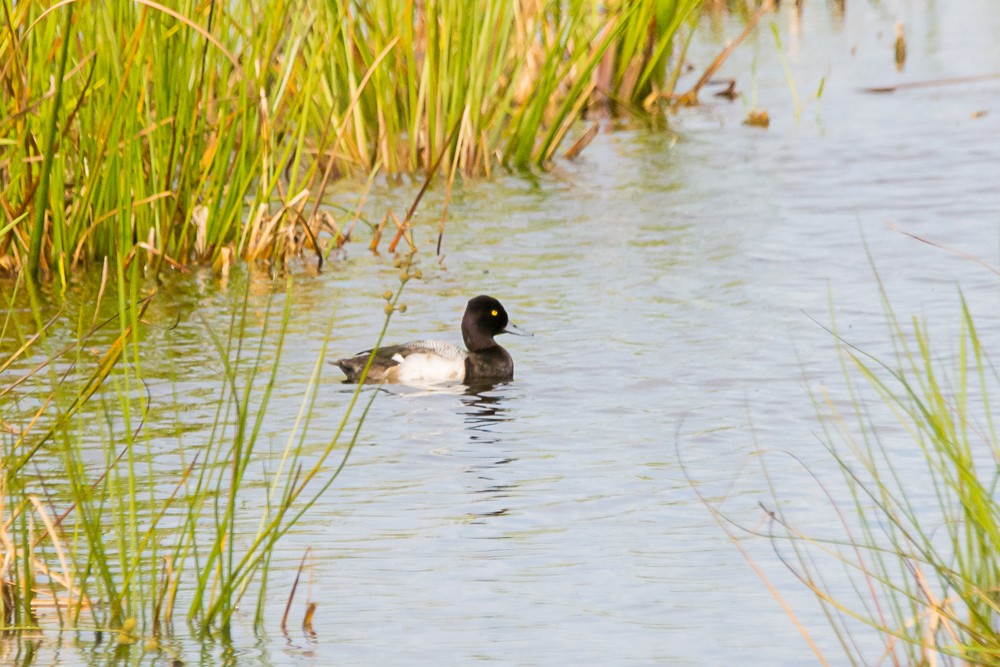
(137,136)
(116,515)
(903,559)
(206,132)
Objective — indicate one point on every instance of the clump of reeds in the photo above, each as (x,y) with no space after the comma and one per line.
(125,544)
(913,550)
(210,131)
(927,546)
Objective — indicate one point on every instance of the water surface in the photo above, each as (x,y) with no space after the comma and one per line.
(676,283)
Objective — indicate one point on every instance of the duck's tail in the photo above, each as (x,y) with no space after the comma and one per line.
(352,367)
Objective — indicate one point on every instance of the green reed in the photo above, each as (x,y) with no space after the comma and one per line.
(917,557)
(116,543)
(641,72)
(179,132)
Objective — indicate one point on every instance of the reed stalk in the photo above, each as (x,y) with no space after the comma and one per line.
(118,543)
(916,559)
(180,132)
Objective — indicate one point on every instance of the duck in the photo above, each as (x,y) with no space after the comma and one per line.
(435,361)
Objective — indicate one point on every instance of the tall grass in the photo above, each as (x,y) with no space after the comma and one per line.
(170,132)
(913,551)
(122,541)
(928,547)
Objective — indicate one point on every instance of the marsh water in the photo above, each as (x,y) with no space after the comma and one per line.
(679,285)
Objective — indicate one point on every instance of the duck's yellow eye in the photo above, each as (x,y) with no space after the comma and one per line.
(494,313)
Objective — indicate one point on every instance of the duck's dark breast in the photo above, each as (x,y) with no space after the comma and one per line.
(493,364)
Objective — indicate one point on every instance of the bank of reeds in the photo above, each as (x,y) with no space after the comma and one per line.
(105,526)
(173,132)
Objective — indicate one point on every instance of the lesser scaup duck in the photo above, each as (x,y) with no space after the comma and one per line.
(430,361)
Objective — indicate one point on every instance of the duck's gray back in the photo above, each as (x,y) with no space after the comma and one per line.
(441,348)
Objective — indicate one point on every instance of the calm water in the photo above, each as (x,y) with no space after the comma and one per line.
(672,281)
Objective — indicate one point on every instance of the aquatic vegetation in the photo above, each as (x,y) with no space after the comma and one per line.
(925,551)
(170,133)
(96,531)
(911,547)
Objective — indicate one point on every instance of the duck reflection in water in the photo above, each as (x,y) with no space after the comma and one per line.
(483,408)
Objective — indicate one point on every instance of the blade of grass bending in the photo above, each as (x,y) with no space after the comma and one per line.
(13,223)
(447,202)
(343,126)
(691,96)
(430,174)
(208,36)
(723,522)
(290,455)
(671,83)
(206,475)
(576,98)
(276,529)
(93,485)
(97,378)
(27,344)
(224,604)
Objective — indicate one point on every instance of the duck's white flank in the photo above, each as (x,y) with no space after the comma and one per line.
(430,361)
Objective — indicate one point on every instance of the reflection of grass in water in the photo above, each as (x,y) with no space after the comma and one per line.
(915,554)
(110,545)
(210,131)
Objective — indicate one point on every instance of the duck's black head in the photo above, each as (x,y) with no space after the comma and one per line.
(484,318)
